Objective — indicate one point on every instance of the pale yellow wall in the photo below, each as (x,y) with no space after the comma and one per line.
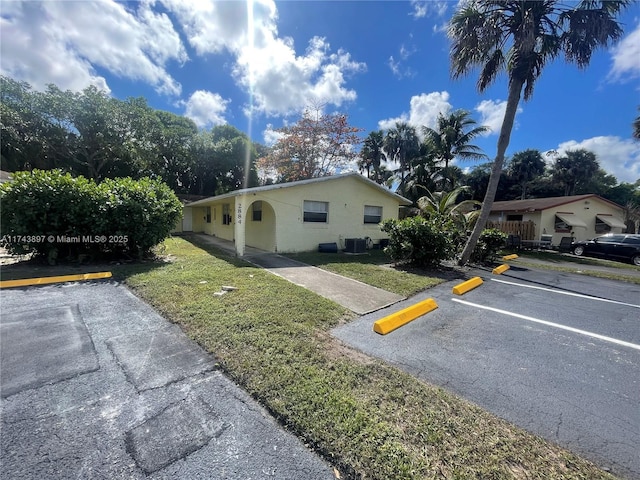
(261,234)
(584,211)
(198,214)
(347,198)
(282,228)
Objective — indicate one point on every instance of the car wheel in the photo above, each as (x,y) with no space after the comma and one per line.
(579,250)
(636,260)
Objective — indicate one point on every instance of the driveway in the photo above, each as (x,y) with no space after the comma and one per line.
(557,354)
(95,384)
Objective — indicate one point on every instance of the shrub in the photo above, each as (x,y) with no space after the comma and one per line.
(422,242)
(59,216)
(490,242)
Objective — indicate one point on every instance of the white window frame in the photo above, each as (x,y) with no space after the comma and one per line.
(372,214)
(315,211)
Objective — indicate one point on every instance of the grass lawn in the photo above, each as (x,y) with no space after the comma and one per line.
(368,419)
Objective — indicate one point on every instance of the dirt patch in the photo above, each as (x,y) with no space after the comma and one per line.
(337,350)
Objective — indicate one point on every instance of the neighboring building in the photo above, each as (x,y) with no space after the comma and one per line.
(579,216)
(296,216)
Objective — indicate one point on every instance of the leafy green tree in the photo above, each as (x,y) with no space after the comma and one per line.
(170,139)
(452,138)
(575,168)
(524,167)
(521,37)
(31,138)
(401,145)
(478,180)
(636,127)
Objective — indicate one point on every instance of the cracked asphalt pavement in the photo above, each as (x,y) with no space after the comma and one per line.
(95,384)
(555,353)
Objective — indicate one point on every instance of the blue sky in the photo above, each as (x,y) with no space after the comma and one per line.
(379,62)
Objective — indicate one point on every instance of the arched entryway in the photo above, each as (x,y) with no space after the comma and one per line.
(260,226)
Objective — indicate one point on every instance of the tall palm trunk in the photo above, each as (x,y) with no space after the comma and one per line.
(515,88)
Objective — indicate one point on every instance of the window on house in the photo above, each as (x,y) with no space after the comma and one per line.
(561,225)
(372,214)
(226,214)
(256,211)
(514,218)
(316,211)
(602,227)
(208,218)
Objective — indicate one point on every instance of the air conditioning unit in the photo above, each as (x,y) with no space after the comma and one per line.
(355,245)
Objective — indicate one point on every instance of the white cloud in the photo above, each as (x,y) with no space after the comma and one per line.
(279,80)
(63,43)
(396,65)
(424,110)
(626,57)
(492,114)
(421,8)
(617,156)
(206,108)
(271,136)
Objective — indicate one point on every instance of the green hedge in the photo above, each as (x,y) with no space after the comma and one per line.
(491,241)
(421,241)
(63,217)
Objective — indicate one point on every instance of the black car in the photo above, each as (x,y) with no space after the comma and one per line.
(615,246)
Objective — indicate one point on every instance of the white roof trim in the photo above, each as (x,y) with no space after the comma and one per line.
(277,186)
(612,221)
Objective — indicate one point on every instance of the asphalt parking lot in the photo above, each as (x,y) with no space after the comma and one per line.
(555,353)
(95,384)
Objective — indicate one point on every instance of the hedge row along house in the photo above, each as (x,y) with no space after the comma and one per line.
(296,216)
(580,217)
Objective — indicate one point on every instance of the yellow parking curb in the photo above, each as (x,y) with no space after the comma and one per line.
(513,256)
(470,284)
(26,282)
(398,319)
(501,269)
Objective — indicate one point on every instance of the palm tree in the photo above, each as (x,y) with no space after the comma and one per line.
(521,37)
(524,167)
(402,145)
(443,205)
(372,155)
(451,138)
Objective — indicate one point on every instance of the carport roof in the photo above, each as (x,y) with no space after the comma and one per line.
(278,186)
(539,204)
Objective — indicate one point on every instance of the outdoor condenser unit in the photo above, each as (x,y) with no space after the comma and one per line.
(355,245)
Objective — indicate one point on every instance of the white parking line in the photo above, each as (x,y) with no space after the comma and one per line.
(567,293)
(551,324)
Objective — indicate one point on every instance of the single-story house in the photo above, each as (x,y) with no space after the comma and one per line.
(579,216)
(297,216)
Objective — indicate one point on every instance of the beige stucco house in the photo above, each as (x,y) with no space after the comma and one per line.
(296,216)
(579,216)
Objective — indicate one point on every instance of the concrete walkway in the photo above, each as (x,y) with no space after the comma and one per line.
(352,294)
